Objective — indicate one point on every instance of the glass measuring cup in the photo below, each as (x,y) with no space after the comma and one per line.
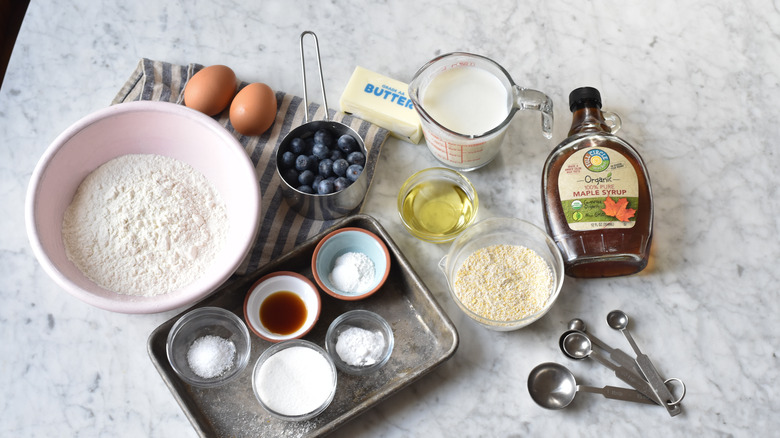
(459,143)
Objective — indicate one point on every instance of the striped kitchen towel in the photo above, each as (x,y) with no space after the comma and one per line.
(281,228)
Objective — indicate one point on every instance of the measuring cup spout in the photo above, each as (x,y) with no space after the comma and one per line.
(527,99)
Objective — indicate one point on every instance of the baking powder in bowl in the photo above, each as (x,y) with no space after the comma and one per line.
(144,224)
(295,381)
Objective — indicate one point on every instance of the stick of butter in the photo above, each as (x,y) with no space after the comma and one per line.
(382,101)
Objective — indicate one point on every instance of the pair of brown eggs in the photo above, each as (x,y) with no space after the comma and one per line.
(211,90)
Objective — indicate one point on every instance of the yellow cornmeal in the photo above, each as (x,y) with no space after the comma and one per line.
(504,282)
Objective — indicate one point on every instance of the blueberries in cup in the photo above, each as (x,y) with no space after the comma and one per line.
(306,178)
(297,146)
(324,137)
(341,183)
(347,144)
(356,157)
(302,162)
(326,167)
(354,171)
(340,167)
(320,151)
(325,187)
(321,163)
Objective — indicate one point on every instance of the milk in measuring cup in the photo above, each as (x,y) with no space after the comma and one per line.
(465,103)
(467,100)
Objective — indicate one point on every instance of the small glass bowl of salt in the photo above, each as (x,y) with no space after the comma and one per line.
(359,341)
(350,263)
(208,347)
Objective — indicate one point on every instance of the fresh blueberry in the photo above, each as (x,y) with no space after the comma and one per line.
(291,176)
(326,167)
(320,150)
(317,180)
(302,163)
(335,154)
(347,143)
(309,145)
(306,178)
(341,183)
(354,171)
(356,157)
(306,189)
(323,137)
(325,187)
(297,146)
(288,160)
(340,167)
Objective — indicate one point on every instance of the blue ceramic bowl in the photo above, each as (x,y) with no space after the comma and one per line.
(343,241)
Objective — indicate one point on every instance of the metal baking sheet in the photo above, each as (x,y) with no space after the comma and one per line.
(424,338)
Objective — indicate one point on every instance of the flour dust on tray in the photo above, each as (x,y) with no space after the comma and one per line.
(144,225)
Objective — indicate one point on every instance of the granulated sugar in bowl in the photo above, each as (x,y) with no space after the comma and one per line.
(504,273)
(294,380)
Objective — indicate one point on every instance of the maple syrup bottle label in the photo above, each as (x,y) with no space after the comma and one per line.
(598,189)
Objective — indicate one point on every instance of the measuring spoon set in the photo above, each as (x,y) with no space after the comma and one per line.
(553,386)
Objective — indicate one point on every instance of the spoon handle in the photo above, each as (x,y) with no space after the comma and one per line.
(627,376)
(656,383)
(619,356)
(617,393)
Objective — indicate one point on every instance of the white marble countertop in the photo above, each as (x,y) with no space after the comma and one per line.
(696,85)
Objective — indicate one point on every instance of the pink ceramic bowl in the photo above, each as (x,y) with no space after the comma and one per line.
(141,128)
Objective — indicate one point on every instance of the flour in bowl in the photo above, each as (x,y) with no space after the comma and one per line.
(145,225)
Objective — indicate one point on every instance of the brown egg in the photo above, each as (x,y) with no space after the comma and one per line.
(253,109)
(210,90)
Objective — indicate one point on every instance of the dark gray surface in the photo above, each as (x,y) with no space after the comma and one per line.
(424,338)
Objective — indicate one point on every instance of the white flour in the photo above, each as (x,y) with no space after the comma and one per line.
(144,225)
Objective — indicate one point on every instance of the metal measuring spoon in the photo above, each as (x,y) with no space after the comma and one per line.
(617,355)
(577,345)
(618,320)
(553,386)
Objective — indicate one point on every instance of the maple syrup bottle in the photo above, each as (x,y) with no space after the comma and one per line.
(598,206)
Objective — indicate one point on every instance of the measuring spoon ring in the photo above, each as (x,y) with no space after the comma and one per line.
(618,320)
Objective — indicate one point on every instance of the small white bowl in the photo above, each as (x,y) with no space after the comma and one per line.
(340,242)
(160,128)
(282,281)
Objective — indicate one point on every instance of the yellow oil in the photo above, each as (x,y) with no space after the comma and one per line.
(437,208)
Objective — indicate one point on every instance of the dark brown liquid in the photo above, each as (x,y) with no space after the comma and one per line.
(599,252)
(283,313)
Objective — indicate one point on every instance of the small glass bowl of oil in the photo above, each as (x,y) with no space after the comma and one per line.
(437,204)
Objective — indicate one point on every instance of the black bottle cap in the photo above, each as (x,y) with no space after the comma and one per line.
(580,96)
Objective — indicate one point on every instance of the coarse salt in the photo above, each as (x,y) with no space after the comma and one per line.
(210,356)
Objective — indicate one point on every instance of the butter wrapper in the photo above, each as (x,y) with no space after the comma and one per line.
(383,101)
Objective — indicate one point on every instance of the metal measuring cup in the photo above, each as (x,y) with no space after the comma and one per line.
(314,206)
